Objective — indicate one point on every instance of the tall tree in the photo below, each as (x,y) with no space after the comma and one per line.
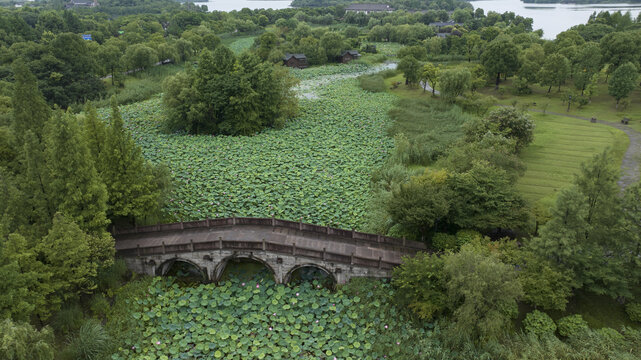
(555,70)
(74,188)
(482,292)
(623,81)
(132,191)
(588,63)
(30,110)
(454,82)
(429,76)
(411,69)
(501,56)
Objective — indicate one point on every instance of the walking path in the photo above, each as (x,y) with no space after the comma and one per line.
(630,165)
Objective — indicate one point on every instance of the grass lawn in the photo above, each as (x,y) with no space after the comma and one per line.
(602,105)
(560,146)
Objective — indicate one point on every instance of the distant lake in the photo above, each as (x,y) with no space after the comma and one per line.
(229,5)
(554,18)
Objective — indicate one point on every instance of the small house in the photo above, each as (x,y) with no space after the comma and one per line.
(368,8)
(81,3)
(349,55)
(298,61)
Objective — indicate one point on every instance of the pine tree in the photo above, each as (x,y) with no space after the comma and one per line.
(66,255)
(95,132)
(34,181)
(30,110)
(132,191)
(75,188)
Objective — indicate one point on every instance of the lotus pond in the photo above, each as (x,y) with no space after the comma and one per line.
(317,169)
(258,319)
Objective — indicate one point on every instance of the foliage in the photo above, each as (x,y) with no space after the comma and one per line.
(571,325)
(90,343)
(485,198)
(421,203)
(311,170)
(623,81)
(229,95)
(555,70)
(259,319)
(68,320)
(420,285)
(539,323)
(506,121)
(454,82)
(544,284)
(430,75)
(482,293)
(132,189)
(466,236)
(430,128)
(411,69)
(444,241)
(373,83)
(21,341)
(633,310)
(99,306)
(500,57)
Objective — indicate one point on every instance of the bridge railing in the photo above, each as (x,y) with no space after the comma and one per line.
(285,249)
(373,239)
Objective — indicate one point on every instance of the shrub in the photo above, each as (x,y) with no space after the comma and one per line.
(68,319)
(92,342)
(466,236)
(539,323)
(99,306)
(372,83)
(443,241)
(634,311)
(571,325)
(521,86)
(111,278)
(389,73)
(21,341)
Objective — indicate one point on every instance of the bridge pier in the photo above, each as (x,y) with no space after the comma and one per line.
(213,264)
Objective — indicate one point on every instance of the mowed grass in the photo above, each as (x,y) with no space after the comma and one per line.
(559,148)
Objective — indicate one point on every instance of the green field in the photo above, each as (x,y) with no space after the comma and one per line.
(560,146)
(317,169)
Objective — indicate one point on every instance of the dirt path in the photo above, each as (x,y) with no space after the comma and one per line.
(630,165)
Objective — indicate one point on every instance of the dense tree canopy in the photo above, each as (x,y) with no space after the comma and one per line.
(229,95)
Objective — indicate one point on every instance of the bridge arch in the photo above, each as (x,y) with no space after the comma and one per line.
(165,267)
(219,270)
(312,271)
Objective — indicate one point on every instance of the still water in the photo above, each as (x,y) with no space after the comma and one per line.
(552,18)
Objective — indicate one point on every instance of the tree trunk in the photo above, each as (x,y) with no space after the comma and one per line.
(433,89)
(617,105)
(498,79)
(549,89)
(113,74)
(582,89)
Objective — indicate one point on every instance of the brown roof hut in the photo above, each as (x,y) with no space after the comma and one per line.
(349,55)
(295,60)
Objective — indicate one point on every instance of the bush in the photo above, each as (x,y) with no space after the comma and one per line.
(372,83)
(389,73)
(21,341)
(99,306)
(68,319)
(539,323)
(443,242)
(466,236)
(634,311)
(111,278)
(571,325)
(521,86)
(91,343)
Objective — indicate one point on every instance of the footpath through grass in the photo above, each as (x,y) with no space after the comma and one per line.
(560,145)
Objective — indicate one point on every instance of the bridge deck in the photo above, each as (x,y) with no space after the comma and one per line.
(248,233)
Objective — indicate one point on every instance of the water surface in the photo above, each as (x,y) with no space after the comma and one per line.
(554,18)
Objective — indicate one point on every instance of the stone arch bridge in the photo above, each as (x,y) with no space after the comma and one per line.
(282,246)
